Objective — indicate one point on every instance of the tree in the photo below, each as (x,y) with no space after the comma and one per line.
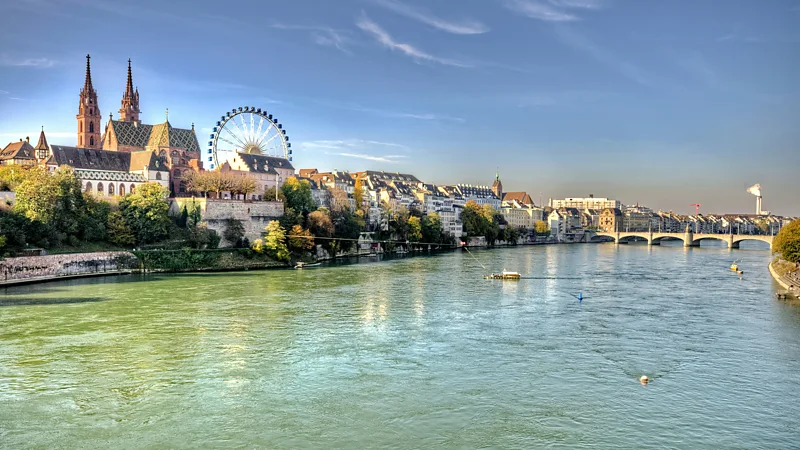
(274,243)
(787,242)
(432,229)
(145,211)
(198,182)
(269,195)
(94,223)
(300,240)
(475,223)
(511,235)
(11,176)
(54,199)
(119,233)
(320,223)
(243,185)
(203,237)
(234,232)
(414,229)
(358,193)
(541,227)
(290,218)
(298,195)
(340,201)
(398,223)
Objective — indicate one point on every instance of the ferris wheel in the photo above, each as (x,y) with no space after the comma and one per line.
(247,130)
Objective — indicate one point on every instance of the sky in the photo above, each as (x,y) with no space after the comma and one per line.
(661,103)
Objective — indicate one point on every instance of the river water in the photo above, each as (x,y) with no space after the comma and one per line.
(411,353)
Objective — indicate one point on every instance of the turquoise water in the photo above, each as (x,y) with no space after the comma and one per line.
(411,353)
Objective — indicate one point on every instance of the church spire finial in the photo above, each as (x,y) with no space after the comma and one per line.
(167,114)
(129,88)
(87,84)
(497,174)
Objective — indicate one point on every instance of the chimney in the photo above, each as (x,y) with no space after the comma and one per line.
(758,205)
(28,139)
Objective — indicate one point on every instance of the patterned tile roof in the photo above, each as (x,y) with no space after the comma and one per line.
(130,134)
(17,150)
(396,176)
(161,135)
(107,175)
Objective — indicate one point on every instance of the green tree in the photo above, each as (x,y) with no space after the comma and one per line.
(414,229)
(93,224)
(201,237)
(787,242)
(432,229)
(298,195)
(475,223)
(11,176)
(145,211)
(54,199)
(274,243)
(234,232)
(290,218)
(119,233)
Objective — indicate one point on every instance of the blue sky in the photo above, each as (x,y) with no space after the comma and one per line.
(664,103)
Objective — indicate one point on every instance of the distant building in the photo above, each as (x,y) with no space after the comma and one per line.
(497,186)
(481,195)
(610,220)
(268,172)
(19,153)
(586,203)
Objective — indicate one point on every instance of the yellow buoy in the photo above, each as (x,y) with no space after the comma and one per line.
(644,380)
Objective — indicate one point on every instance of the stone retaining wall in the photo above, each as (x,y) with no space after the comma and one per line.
(32,267)
(254,215)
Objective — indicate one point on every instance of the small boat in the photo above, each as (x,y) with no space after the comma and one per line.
(504,275)
(302,265)
(734,267)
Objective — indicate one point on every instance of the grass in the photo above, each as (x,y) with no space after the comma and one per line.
(783,267)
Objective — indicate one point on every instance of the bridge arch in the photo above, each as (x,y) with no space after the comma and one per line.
(601,238)
(657,240)
(722,238)
(632,238)
(738,239)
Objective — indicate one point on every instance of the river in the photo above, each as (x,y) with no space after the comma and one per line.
(411,353)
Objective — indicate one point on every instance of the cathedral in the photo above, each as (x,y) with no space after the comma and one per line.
(124,155)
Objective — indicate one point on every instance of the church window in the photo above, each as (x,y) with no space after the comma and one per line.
(91,127)
(158,175)
(121,189)
(89,186)
(80,127)
(110,188)
(100,188)
(91,140)
(91,111)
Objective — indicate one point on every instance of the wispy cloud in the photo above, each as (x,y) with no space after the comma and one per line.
(418,55)
(577,41)
(388,113)
(552,10)
(356,148)
(367,157)
(426,17)
(2,92)
(324,36)
(39,63)
(348,144)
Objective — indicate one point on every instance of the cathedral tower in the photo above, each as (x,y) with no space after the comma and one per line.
(129,112)
(88,114)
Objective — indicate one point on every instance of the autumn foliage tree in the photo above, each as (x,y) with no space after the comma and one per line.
(787,242)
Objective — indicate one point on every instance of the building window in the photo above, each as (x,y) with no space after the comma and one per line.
(158,175)
(100,188)
(91,111)
(121,189)
(133,188)
(91,127)
(88,186)
(80,127)
(91,140)
(110,189)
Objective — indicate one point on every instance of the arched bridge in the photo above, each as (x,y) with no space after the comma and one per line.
(689,239)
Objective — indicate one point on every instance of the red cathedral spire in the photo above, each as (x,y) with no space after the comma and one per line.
(88,113)
(129,112)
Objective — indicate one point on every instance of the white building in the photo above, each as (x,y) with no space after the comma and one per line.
(586,203)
